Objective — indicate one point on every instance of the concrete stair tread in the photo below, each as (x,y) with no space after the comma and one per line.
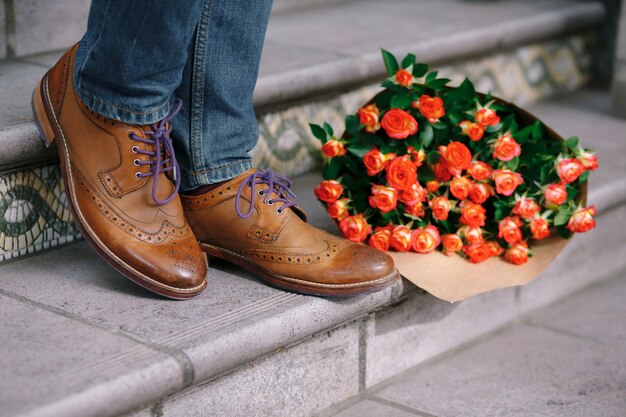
(333,46)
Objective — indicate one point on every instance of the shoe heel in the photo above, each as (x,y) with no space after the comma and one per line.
(46,132)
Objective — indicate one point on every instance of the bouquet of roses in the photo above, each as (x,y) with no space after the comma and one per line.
(426,166)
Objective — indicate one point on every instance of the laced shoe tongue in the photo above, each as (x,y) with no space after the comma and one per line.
(277,191)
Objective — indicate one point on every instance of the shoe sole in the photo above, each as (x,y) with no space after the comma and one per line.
(300,286)
(49,131)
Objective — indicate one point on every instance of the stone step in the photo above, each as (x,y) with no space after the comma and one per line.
(79,340)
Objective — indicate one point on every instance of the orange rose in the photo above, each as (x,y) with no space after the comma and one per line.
(555,194)
(417,157)
(399,124)
(506,181)
(440,207)
(569,169)
(480,192)
(472,214)
(539,228)
(431,108)
(526,207)
(478,252)
(383,198)
(368,117)
(517,254)
(589,160)
(582,220)
(355,228)
(479,170)
(471,234)
(509,230)
(456,155)
(460,187)
(328,191)
(338,209)
(416,210)
(404,78)
(412,196)
(441,171)
(506,148)
(401,173)
(487,117)
(333,148)
(375,161)
(432,186)
(452,243)
(475,131)
(496,249)
(401,238)
(380,239)
(425,240)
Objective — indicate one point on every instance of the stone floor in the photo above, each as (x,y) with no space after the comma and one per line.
(565,360)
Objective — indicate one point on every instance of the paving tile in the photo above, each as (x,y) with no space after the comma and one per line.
(280,56)
(47,59)
(295,382)
(597,313)
(369,408)
(524,371)
(3,41)
(17,81)
(62,367)
(42,25)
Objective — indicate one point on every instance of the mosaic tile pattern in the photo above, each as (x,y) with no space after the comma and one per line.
(33,208)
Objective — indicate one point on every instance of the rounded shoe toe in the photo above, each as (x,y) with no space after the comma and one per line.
(367,263)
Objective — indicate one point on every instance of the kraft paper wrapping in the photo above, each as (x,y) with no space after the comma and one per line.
(453,278)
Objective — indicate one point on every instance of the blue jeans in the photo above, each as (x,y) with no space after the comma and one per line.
(138,56)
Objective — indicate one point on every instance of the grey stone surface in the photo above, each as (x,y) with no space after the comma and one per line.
(618,90)
(369,408)
(295,382)
(55,366)
(3,41)
(48,25)
(281,6)
(598,313)
(525,371)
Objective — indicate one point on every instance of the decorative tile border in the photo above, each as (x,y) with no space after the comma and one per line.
(33,208)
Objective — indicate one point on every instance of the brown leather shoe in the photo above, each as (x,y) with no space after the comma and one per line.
(272,239)
(117,185)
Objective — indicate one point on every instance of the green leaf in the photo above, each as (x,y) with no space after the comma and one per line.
(331,169)
(391,64)
(427,136)
(493,128)
(562,217)
(408,61)
(438,84)
(431,77)
(571,142)
(564,232)
(401,101)
(433,157)
(513,163)
(328,129)
(466,89)
(537,132)
(353,124)
(420,70)
(359,149)
(584,177)
(319,132)
(389,215)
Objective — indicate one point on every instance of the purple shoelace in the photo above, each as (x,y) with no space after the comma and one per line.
(276,184)
(163,158)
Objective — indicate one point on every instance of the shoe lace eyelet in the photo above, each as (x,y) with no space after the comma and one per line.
(136,162)
(138,175)
(261,193)
(131,136)
(280,210)
(270,203)
(134,149)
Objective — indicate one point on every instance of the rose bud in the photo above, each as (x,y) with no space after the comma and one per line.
(333,148)
(555,194)
(432,186)
(509,230)
(441,171)
(539,228)
(475,131)
(480,192)
(589,160)
(398,124)
(506,181)
(472,214)
(460,187)
(452,243)
(380,239)
(506,148)
(368,116)
(416,210)
(355,228)
(569,169)
(383,198)
(478,252)
(425,240)
(417,157)
(582,220)
(401,173)
(338,209)
(375,161)
(517,254)
(479,170)
(431,108)
(412,196)
(526,207)
(496,249)
(473,234)
(457,155)
(487,117)
(328,191)
(440,207)
(404,78)
(401,239)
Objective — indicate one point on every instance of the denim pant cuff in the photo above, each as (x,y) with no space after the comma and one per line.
(117,111)
(211,176)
